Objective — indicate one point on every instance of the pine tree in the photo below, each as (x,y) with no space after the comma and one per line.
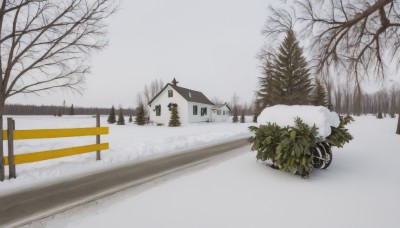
(130,118)
(264,96)
(111,118)
(121,119)
(379,116)
(242,118)
(235,117)
(174,120)
(319,95)
(140,116)
(287,76)
(72,110)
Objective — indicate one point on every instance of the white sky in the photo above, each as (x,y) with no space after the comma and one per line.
(207,45)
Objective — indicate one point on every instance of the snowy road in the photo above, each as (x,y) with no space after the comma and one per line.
(28,205)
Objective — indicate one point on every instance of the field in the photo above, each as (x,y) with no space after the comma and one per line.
(128,143)
(360,189)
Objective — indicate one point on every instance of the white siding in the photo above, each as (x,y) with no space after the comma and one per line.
(218,114)
(198,118)
(164,100)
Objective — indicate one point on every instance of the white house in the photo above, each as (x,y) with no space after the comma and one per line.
(193,106)
(220,113)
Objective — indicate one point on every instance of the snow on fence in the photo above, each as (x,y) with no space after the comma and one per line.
(11,134)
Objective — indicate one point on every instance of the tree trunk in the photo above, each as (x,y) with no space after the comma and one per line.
(398,126)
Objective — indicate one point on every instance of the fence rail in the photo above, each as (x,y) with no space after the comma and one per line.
(11,134)
(56,133)
(52,154)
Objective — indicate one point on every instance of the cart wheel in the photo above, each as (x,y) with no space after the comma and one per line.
(319,157)
(328,154)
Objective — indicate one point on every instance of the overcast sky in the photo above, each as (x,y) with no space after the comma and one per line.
(208,45)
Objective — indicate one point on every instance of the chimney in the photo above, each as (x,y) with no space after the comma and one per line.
(175,82)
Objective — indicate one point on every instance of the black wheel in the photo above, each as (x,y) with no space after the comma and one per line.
(328,154)
(319,157)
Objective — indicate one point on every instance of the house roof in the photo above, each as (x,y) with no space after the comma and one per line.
(188,94)
(218,106)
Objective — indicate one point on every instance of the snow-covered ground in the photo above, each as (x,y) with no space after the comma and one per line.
(361,188)
(127,143)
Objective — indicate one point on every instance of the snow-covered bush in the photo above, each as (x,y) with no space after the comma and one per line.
(287,133)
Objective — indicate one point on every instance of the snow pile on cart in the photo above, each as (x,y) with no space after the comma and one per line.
(299,138)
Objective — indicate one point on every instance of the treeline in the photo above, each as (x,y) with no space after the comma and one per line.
(352,102)
(18,109)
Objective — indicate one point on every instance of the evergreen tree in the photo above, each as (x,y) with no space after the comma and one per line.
(242,118)
(140,116)
(264,96)
(130,118)
(379,116)
(121,118)
(59,112)
(72,110)
(235,117)
(174,121)
(255,118)
(111,117)
(287,76)
(319,96)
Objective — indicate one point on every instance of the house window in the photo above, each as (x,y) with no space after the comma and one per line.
(194,110)
(219,112)
(224,112)
(170,93)
(203,111)
(158,110)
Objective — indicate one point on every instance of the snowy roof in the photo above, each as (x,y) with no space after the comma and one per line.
(284,115)
(188,94)
(218,106)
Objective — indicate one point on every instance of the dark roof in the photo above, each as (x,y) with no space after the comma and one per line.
(188,94)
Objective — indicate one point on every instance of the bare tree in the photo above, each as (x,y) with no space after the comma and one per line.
(353,35)
(217,100)
(150,91)
(359,37)
(44,44)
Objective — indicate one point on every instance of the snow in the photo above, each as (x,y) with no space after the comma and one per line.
(360,189)
(284,115)
(128,143)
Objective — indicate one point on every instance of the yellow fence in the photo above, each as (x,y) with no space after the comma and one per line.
(11,135)
(56,133)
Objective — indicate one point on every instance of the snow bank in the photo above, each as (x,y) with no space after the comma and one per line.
(127,143)
(284,115)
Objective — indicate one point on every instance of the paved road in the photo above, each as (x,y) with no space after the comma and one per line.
(23,207)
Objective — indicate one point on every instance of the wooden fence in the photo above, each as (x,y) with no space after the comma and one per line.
(11,134)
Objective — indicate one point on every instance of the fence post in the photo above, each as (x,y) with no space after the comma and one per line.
(2,173)
(98,156)
(10,134)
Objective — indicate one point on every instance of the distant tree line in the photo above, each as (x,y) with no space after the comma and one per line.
(18,109)
(354,102)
